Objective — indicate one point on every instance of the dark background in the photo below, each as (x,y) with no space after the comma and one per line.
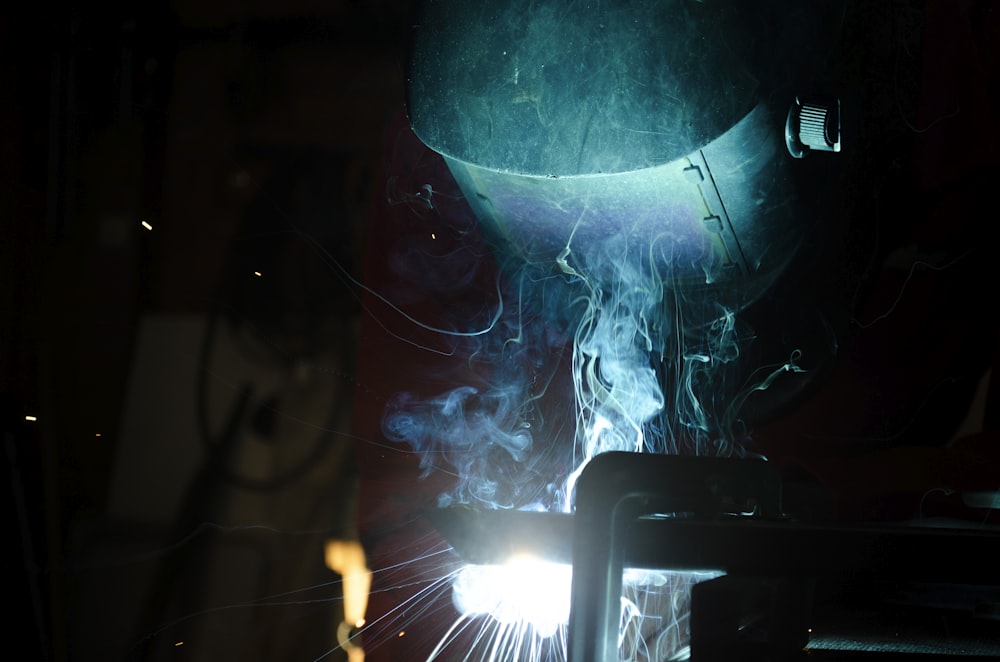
(253,137)
(249,136)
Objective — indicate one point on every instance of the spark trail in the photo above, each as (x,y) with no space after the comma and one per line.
(650,369)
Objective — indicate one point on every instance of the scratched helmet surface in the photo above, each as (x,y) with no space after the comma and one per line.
(656,122)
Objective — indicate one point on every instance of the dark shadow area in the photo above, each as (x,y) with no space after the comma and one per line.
(186,194)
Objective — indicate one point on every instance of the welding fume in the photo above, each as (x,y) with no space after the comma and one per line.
(644,161)
(656,183)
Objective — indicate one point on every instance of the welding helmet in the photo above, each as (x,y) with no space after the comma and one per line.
(674,124)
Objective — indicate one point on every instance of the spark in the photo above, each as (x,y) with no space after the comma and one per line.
(30,418)
(146,225)
(523,591)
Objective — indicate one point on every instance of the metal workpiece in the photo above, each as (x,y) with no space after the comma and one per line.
(493,537)
(735,545)
(770,562)
(666,485)
(614,490)
(721,515)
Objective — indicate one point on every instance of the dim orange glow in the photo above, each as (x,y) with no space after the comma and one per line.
(347,559)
